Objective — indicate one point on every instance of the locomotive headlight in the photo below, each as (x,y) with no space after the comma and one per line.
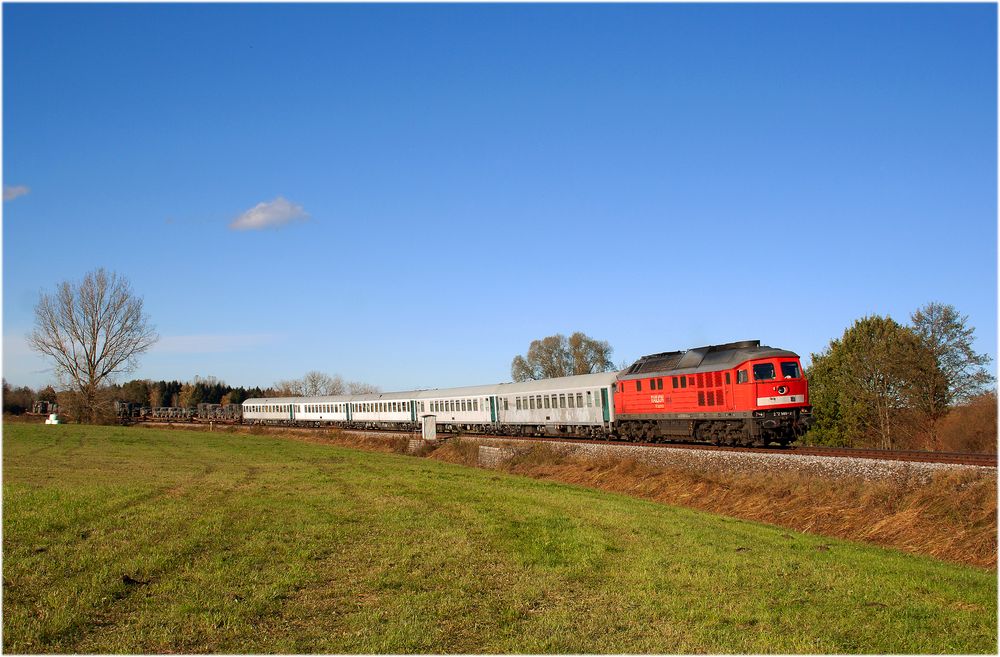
(782,390)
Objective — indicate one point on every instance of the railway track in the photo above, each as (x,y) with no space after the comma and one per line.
(957,458)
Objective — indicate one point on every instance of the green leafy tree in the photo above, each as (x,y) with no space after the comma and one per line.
(136,391)
(556,356)
(862,384)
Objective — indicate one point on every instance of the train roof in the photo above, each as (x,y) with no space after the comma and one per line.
(580,381)
(702,359)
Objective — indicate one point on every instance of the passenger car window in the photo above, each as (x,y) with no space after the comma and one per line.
(789,370)
(763,372)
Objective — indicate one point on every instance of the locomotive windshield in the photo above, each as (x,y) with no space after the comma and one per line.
(763,372)
(790,371)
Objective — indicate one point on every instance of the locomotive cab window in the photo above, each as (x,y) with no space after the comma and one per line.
(763,372)
(741,376)
(790,370)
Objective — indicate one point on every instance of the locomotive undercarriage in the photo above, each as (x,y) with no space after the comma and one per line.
(729,432)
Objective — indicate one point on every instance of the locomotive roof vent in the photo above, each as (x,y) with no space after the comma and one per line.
(708,356)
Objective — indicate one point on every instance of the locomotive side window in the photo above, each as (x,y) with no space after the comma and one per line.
(763,372)
(674,381)
(790,370)
(741,376)
(727,378)
(684,382)
(638,386)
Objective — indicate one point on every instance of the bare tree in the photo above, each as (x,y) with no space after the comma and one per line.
(313,384)
(318,384)
(288,388)
(93,331)
(956,372)
(359,388)
(557,356)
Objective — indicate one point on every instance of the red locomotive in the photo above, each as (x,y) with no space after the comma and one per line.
(732,394)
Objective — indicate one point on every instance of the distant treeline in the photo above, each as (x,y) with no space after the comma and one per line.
(210,390)
(183,394)
(187,394)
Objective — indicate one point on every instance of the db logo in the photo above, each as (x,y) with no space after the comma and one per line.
(656,399)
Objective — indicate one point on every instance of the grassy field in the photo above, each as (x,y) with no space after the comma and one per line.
(144,540)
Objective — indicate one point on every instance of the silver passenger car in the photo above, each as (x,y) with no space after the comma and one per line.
(573,405)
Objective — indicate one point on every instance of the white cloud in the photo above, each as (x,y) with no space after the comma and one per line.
(11,192)
(208,344)
(266,215)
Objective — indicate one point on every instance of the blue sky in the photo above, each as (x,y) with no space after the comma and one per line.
(408,195)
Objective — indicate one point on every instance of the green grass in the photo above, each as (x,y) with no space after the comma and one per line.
(247,544)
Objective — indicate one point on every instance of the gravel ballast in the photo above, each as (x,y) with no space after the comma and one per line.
(713,460)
